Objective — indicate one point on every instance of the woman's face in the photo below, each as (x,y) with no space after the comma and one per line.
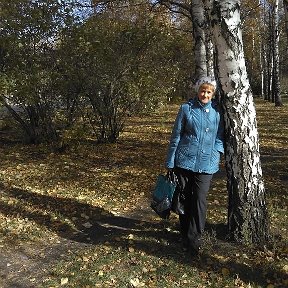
(205,93)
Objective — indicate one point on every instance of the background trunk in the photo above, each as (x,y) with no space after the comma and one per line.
(276,78)
(208,37)
(285,4)
(198,19)
(247,212)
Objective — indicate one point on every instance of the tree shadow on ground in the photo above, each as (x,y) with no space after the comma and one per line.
(71,219)
(83,223)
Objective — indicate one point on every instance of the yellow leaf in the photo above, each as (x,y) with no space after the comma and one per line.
(64,281)
(130,236)
(136,283)
(144,270)
(131,249)
(285,268)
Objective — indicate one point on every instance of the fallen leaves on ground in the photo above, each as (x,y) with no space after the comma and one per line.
(53,196)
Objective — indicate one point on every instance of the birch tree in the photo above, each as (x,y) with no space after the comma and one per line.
(276,78)
(247,211)
(208,42)
(285,8)
(266,52)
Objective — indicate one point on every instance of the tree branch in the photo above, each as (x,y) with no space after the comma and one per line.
(183,8)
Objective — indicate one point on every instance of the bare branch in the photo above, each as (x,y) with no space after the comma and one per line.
(247,13)
(183,9)
(183,6)
(95,4)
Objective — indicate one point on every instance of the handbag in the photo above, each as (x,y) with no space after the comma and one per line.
(163,194)
(178,201)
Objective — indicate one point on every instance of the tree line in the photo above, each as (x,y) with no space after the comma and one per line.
(64,74)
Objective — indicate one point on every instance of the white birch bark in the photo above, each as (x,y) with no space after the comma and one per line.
(276,78)
(262,56)
(247,212)
(208,38)
(267,50)
(210,56)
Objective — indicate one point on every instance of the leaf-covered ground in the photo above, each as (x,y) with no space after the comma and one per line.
(82,219)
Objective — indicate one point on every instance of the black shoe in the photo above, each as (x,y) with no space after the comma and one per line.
(185,244)
(193,251)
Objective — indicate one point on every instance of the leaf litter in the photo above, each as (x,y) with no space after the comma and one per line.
(86,213)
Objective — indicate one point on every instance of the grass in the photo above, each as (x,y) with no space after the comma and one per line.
(82,218)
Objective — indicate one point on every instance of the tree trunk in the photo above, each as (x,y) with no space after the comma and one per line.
(261,60)
(266,72)
(17,117)
(270,48)
(267,48)
(208,37)
(247,211)
(276,78)
(285,4)
(35,122)
(198,19)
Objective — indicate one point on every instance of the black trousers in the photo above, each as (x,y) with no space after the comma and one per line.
(195,187)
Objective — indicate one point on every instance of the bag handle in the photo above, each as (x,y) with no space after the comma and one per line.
(171,176)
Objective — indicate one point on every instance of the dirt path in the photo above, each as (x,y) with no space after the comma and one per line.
(27,266)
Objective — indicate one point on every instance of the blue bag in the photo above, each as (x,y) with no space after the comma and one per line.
(162,196)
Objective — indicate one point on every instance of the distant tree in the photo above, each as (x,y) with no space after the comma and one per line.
(285,48)
(194,11)
(267,51)
(276,68)
(285,3)
(28,36)
(252,26)
(271,51)
(127,63)
(200,25)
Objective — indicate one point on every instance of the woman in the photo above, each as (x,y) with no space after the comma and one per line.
(194,156)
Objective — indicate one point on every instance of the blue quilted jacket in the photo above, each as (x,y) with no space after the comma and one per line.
(197,138)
